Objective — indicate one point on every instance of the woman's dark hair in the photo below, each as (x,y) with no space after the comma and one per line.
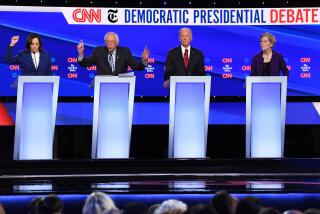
(30,38)
(33,205)
(223,202)
(50,204)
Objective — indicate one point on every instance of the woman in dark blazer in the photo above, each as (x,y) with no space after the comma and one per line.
(268,62)
(32,61)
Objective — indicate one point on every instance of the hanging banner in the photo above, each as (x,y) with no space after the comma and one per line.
(181,16)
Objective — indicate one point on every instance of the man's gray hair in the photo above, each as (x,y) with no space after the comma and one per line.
(185,29)
(98,202)
(113,34)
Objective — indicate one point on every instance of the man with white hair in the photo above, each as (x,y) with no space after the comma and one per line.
(171,206)
(184,60)
(111,59)
(98,203)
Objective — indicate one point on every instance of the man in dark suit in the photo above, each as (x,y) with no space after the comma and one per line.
(184,60)
(111,59)
(32,61)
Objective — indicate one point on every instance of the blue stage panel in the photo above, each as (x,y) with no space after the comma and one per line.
(157,113)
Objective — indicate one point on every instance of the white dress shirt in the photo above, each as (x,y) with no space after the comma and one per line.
(35,59)
(183,49)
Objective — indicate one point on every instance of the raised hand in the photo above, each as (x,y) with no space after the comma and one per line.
(145,53)
(80,48)
(166,83)
(14,40)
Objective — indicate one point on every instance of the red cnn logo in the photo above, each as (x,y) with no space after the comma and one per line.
(54,67)
(72,75)
(227,60)
(83,15)
(14,67)
(151,60)
(72,59)
(305,59)
(227,76)
(208,68)
(246,68)
(149,76)
(305,75)
(92,68)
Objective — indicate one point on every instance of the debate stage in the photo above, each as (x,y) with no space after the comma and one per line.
(150,177)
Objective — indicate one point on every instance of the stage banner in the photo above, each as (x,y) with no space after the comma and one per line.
(181,16)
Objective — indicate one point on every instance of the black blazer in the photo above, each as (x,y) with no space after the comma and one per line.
(175,64)
(26,64)
(99,57)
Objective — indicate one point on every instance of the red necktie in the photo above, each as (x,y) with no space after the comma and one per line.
(185,58)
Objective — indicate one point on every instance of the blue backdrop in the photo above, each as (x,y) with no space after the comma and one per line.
(228,51)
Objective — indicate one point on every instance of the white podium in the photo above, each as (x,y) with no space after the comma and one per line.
(37,98)
(317,106)
(189,111)
(112,116)
(265,116)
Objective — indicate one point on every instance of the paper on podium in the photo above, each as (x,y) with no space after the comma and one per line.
(129,74)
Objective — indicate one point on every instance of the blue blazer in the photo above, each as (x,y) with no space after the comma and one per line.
(277,63)
(26,64)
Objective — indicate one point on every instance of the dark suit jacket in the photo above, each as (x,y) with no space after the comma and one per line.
(124,58)
(26,64)
(175,63)
(277,63)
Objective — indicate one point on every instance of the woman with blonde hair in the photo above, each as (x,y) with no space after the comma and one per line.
(99,203)
(268,62)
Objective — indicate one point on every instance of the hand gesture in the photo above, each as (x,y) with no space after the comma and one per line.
(80,48)
(145,53)
(14,40)
(166,83)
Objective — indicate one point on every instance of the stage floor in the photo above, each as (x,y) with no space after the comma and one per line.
(282,183)
(161,176)
(151,178)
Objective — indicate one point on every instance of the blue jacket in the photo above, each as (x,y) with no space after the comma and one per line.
(26,64)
